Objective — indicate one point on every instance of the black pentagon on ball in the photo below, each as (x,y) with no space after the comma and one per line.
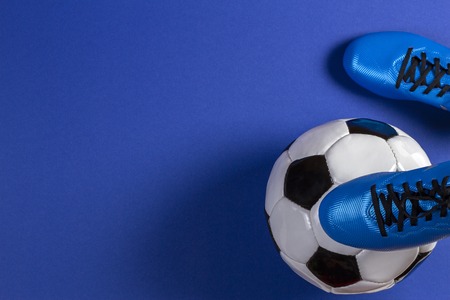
(306,180)
(334,269)
(371,127)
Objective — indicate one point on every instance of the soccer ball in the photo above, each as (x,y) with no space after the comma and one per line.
(314,164)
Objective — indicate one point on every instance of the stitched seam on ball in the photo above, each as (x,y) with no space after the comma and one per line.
(395,156)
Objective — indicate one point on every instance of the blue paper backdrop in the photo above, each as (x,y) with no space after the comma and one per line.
(136,139)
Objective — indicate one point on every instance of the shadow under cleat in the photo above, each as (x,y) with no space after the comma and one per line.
(401,65)
(389,211)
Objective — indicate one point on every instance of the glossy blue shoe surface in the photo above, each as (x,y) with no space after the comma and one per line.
(389,211)
(402,66)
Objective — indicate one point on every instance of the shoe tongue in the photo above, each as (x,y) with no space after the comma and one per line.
(425,204)
(444,80)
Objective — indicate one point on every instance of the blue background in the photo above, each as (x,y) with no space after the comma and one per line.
(136,139)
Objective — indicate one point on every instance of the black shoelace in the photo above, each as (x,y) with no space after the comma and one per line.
(438,194)
(425,67)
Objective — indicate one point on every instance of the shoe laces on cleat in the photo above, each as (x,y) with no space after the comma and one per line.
(424,67)
(408,204)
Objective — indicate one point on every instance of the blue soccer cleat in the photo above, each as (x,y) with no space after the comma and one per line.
(401,65)
(389,211)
